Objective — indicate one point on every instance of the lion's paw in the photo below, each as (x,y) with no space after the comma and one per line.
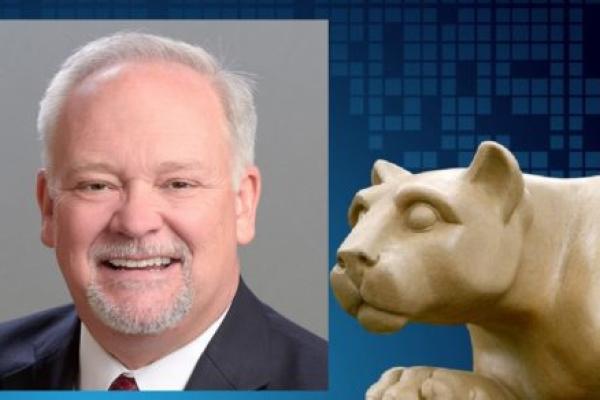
(428,383)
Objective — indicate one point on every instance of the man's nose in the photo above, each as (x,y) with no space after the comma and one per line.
(138,214)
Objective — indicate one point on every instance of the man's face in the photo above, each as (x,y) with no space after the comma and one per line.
(141,210)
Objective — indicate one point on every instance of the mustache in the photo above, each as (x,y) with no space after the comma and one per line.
(135,248)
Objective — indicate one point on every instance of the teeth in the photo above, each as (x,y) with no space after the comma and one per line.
(149,262)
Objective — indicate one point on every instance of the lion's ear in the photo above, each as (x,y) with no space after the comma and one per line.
(385,171)
(496,170)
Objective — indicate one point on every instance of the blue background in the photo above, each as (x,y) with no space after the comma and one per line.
(420,83)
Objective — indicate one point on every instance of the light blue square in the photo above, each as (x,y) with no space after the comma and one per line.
(466,51)
(464,158)
(575,159)
(592,105)
(502,87)
(539,105)
(520,51)
(412,33)
(520,87)
(466,105)
(520,105)
(484,33)
(429,33)
(484,106)
(449,52)
(575,69)
(357,33)
(393,123)
(429,52)
(539,33)
(466,15)
(356,106)
(484,15)
(412,159)
(339,51)
(576,33)
(539,15)
(356,69)
(375,86)
(412,15)
(503,140)
(356,86)
(522,158)
(375,123)
(539,159)
(502,51)
(375,15)
(484,87)
(429,69)
(429,159)
(592,86)
(393,87)
(339,32)
(520,33)
(466,142)
(592,159)
(557,123)
(539,87)
(375,51)
(520,15)
(557,142)
(466,33)
(375,142)
(466,123)
(576,51)
(556,15)
(557,52)
(557,105)
(430,15)
(412,123)
(503,15)
(339,69)
(576,105)
(539,52)
(412,105)
(448,33)
(557,69)
(375,68)
(430,87)
(575,123)
(412,87)
(484,52)
(357,15)
(484,69)
(448,69)
(412,69)
(412,51)
(448,142)
(448,123)
(502,33)
(502,69)
(448,86)
(375,33)
(575,15)
(393,14)
(448,105)
(557,87)
(375,105)
(576,142)
(576,87)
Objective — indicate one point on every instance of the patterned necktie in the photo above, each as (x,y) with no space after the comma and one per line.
(123,382)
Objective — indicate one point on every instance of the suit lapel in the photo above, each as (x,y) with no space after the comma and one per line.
(57,360)
(237,357)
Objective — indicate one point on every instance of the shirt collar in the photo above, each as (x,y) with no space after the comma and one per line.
(98,368)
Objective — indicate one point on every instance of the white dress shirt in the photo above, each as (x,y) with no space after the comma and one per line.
(98,369)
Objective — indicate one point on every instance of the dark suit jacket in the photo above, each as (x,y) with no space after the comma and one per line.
(254,348)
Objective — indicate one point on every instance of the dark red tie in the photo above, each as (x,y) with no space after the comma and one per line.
(123,382)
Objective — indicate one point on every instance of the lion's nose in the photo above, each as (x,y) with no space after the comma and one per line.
(356,257)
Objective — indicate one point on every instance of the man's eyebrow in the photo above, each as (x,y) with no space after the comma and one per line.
(91,167)
(174,166)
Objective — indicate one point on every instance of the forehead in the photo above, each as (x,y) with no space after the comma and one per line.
(155,106)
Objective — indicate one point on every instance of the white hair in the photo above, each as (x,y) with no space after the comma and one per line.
(235,89)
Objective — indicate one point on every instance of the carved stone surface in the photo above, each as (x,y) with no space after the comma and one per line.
(516,257)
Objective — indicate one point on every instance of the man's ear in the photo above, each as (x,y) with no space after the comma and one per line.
(385,171)
(246,203)
(46,205)
(496,170)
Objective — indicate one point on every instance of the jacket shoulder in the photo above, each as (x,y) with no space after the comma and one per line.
(297,354)
(26,340)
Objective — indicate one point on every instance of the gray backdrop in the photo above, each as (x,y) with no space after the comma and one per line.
(286,265)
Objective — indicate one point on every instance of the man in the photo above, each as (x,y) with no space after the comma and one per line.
(148,188)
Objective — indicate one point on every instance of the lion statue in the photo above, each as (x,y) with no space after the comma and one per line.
(516,257)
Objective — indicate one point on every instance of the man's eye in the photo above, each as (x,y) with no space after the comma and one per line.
(93,186)
(177,184)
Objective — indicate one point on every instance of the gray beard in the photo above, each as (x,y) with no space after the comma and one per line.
(152,319)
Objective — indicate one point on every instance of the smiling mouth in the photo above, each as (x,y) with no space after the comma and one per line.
(139,264)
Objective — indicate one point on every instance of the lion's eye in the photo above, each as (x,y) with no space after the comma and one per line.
(421,217)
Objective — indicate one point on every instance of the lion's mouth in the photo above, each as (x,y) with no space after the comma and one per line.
(371,317)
